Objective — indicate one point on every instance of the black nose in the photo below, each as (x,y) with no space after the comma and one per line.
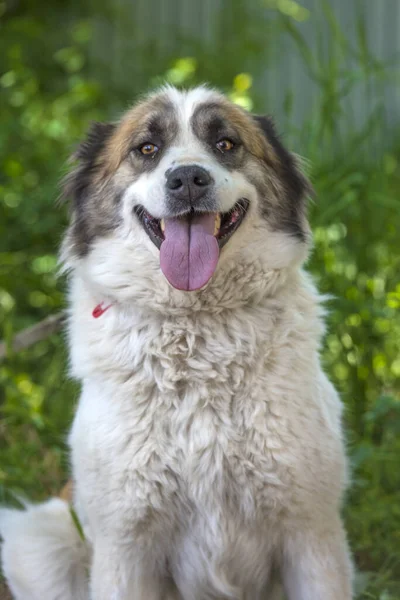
(189,183)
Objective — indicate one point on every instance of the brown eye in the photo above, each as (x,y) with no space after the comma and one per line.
(148,149)
(224,145)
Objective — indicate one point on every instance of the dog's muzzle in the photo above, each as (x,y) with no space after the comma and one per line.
(189,187)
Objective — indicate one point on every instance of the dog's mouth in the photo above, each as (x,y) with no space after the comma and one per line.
(189,244)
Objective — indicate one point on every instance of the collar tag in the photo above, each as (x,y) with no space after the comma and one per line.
(100,309)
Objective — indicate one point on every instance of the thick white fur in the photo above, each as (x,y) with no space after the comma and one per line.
(206,449)
(43,555)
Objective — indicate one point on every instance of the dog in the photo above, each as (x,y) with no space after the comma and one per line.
(207,452)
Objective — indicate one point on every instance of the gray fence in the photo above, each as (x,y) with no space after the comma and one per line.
(137,39)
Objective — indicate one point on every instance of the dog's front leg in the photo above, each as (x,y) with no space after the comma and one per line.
(117,574)
(316,563)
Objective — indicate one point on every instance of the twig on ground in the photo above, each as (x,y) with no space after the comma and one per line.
(29,336)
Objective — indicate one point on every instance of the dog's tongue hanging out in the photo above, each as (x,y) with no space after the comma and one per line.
(189,253)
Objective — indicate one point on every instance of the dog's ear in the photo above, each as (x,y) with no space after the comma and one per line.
(94,142)
(91,199)
(294,180)
(87,158)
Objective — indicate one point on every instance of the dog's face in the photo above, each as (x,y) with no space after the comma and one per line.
(187,188)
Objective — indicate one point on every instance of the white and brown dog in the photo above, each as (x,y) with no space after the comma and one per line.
(207,453)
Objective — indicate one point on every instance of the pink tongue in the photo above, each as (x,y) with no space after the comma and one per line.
(189,253)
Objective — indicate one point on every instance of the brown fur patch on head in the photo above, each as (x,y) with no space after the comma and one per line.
(132,127)
(242,123)
(256,143)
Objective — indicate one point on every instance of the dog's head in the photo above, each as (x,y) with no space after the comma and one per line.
(188,190)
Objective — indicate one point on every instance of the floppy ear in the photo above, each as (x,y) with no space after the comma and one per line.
(87,156)
(290,214)
(96,137)
(297,185)
(89,207)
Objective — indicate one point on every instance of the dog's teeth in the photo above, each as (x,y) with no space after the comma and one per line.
(217,225)
(162,225)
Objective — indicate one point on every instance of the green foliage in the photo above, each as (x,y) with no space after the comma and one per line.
(48,95)
(45,104)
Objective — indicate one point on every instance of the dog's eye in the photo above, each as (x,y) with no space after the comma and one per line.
(225,145)
(148,149)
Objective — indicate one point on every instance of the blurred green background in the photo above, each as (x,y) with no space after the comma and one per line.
(329,71)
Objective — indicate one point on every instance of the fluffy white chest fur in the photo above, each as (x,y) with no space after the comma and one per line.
(201,437)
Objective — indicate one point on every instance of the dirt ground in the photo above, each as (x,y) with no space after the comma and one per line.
(4,593)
